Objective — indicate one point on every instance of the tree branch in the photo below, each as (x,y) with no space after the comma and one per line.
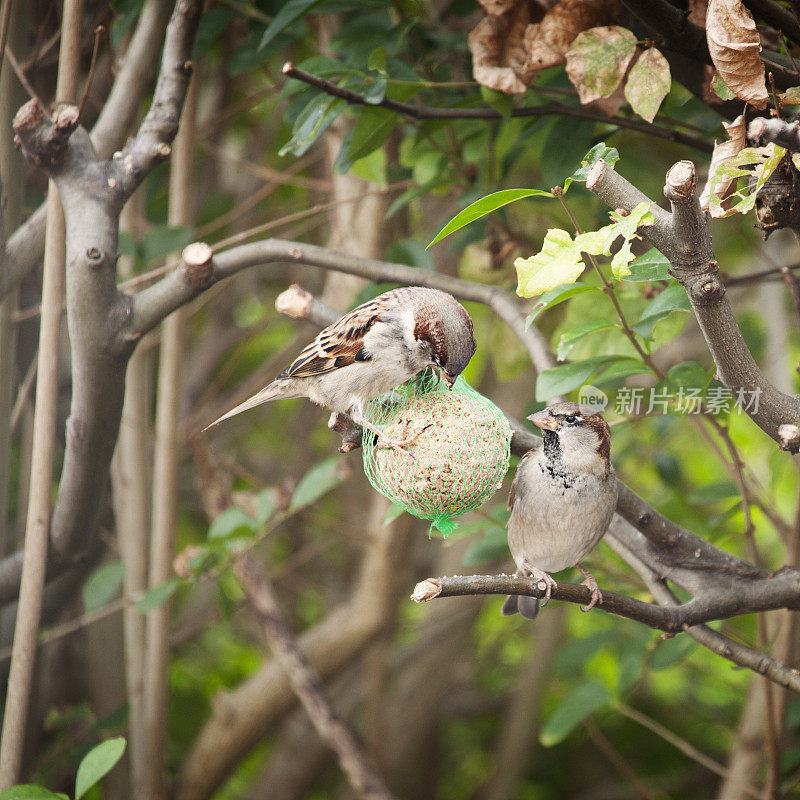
(26,245)
(363,778)
(765,595)
(92,199)
(547,109)
(684,239)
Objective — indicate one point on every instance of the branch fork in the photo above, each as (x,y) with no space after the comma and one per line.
(683,237)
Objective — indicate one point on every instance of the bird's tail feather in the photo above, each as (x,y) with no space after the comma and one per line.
(275,390)
(527,606)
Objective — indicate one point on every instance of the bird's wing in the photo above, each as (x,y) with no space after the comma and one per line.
(512,495)
(339,344)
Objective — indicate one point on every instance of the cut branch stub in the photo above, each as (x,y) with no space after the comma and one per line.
(43,139)
(197,265)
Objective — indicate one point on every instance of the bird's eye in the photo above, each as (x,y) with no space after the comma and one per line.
(570,418)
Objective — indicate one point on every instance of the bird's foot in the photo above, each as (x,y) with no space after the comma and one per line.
(590,582)
(541,577)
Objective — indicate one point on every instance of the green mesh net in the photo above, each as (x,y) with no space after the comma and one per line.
(458,451)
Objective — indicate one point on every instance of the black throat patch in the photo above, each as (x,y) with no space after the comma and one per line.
(554,464)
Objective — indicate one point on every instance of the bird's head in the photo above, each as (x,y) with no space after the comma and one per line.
(575,434)
(443,328)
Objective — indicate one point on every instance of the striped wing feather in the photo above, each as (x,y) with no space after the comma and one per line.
(338,345)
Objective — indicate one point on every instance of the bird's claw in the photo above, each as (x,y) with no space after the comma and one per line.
(591,584)
(541,577)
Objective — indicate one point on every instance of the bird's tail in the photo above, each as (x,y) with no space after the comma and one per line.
(275,390)
(527,606)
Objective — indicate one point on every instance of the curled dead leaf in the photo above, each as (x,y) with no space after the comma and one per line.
(547,42)
(498,53)
(724,151)
(598,59)
(734,44)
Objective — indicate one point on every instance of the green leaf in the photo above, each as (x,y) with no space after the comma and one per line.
(492,546)
(232,522)
(371,130)
(671,651)
(102,585)
(755,165)
(319,480)
(29,791)
(556,296)
(620,369)
(265,507)
(567,377)
(500,101)
(376,91)
(97,763)
(212,25)
(720,88)
(377,60)
(648,83)
(156,597)
(600,152)
(571,337)
(290,12)
(565,146)
(315,118)
(480,208)
(712,492)
(558,263)
(583,701)
(393,512)
(650,266)
(673,298)
(163,240)
(413,193)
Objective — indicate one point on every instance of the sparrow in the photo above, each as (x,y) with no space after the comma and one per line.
(562,500)
(372,349)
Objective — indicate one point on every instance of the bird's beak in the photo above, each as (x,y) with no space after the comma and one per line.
(543,420)
(449,379)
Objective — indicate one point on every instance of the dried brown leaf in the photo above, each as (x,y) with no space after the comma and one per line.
(723,151)
(548,41)
(498,54)
(497,7)
(734,44)
(598,59)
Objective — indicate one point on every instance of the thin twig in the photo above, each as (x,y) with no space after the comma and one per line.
(98,31)
(4,31)
(22,77)
(681,744)
(547,109)
(363,778)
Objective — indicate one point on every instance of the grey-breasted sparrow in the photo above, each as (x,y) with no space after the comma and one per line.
(562,500)
(374,348)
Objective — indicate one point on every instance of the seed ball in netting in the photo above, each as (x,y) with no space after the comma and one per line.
(457,452)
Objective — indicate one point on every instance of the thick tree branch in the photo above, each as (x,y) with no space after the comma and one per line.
(92,195)
(26,245)
(683,237)
(149,307)
(363,778)
(547,109)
